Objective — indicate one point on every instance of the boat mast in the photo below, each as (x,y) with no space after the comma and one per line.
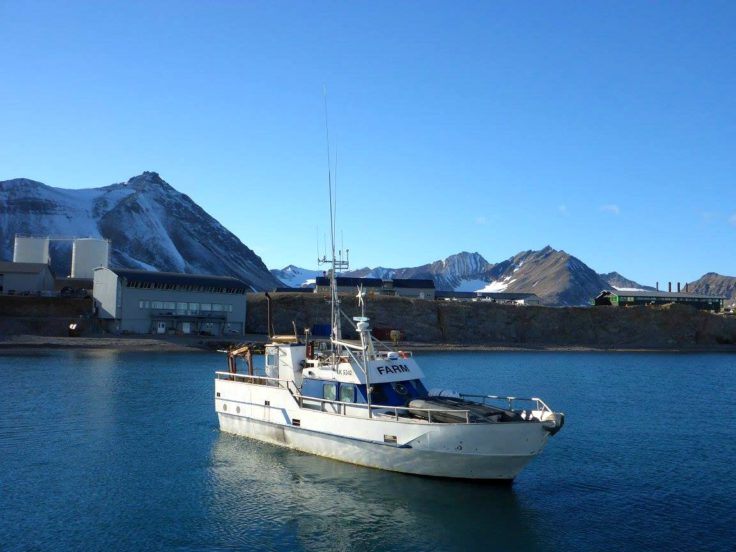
(336,264)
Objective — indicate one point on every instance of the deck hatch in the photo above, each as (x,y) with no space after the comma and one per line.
(390,439)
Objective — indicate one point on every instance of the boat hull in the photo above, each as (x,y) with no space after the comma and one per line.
(463,451)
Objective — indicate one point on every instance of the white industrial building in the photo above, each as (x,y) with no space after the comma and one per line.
(139,301)
(87,255)
(27,249)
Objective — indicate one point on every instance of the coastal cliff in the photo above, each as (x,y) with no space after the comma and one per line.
(493,324)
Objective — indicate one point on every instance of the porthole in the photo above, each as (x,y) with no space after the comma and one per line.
(237,409)
(224,407)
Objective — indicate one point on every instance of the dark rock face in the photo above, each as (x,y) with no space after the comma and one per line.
(149,224)
(615,280)
(669,326)
(715,284)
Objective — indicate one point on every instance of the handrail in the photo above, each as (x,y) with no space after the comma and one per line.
(236,377)
(286,384)
(396,409)
(342,405)
(541,405)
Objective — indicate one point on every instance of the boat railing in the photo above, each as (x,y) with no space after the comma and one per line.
(253,379)
(393,411)
(342,407)
(512,403)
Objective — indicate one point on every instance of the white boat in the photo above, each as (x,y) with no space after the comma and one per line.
(362,402)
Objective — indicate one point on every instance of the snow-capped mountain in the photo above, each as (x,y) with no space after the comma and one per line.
(556,277)
(149,224)
(463,271)
(295,277)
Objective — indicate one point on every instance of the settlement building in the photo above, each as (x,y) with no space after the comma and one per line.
(411,287)
(644,297)
(25,278)
(138,301)
(349,285)
(402,287)
(492,297)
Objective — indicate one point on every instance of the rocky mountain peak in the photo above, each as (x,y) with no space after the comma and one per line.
(149,180)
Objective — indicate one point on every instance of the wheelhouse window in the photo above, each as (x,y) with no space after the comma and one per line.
(329,391)
(347,393)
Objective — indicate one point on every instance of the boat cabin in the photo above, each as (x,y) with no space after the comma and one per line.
(394,378)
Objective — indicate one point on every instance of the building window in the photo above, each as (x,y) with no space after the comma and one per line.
(193,308)
(205,307)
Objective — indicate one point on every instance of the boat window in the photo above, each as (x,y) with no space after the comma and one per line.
(399,387)
(377,395)
(329,391)
(347,393)
(272,359)
(419,389)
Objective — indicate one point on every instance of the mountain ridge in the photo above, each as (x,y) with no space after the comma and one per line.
(558,278)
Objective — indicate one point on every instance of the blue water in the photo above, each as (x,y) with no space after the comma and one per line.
(111,451)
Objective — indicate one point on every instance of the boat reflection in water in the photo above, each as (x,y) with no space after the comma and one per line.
(267,497)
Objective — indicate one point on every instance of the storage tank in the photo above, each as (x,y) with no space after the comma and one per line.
(88,254)
(31,250)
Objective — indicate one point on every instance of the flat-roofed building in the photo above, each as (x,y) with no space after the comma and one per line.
(139,301)
(349,285)
(402,287)
(644,297)
(412,287)
(25,278)
(520,298)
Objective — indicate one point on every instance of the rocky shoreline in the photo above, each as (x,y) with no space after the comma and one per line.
(180,344)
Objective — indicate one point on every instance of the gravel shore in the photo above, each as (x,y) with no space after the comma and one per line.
(9,344)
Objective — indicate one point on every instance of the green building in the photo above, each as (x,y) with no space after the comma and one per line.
(620,298)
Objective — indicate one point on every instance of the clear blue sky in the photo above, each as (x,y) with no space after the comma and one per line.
(607,129)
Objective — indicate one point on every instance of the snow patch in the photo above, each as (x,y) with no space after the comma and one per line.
(470,285)
(295,277)
(627,289)
(498,286)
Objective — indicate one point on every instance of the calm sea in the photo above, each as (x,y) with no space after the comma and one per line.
(111,451)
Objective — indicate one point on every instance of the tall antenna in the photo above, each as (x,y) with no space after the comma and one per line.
(337,265)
